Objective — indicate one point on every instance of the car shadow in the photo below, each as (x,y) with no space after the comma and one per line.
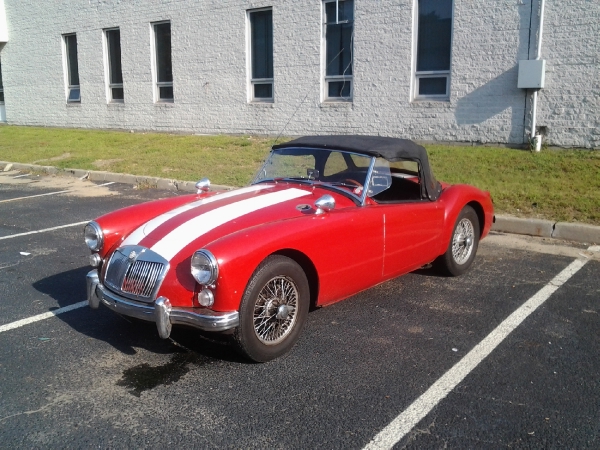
(123,333)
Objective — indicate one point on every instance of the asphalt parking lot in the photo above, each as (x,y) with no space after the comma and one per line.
(504,356)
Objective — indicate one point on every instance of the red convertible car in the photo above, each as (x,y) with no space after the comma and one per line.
(324,218)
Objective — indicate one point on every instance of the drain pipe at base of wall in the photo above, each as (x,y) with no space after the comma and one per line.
(536,138)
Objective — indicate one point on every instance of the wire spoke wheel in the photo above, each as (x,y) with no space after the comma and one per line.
(463,244)
(463,241)
(275,310)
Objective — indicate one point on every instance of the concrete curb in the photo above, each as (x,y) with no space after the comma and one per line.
(589,234)
(97,175)
(578,232)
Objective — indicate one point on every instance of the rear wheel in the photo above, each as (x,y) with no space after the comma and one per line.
(463,246)
(273,309)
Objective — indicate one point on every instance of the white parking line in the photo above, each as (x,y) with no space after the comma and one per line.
(44,230)
(32,196)
(405,422)
(56,312)
(105,184)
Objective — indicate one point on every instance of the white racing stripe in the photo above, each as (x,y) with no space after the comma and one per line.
(405,422)
(191,230)
(56,312)
(141,232)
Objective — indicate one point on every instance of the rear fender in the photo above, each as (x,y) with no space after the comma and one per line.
(455,198)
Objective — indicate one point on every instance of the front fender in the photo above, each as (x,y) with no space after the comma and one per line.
(327,240)
(117,225)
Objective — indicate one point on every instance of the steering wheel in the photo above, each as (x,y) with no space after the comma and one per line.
(354,182)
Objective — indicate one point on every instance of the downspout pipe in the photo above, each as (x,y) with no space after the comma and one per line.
(536,139)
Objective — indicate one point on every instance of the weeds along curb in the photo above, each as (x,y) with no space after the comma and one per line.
(576,232)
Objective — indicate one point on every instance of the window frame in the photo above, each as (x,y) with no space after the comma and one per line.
(108,68)
(326,79)
(160,84)
(70,88)
(1,85)
(253,81)
(428,74)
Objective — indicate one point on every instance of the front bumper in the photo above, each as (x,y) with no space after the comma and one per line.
(161,312)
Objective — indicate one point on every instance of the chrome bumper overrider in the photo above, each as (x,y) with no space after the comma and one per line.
(161,312)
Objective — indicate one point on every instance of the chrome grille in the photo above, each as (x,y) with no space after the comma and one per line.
(136,272)
(141,278)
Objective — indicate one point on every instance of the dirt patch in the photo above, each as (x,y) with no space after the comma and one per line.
(73,186)
(55,158)
(103,163)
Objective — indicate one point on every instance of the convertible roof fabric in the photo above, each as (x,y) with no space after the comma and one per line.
(389,148)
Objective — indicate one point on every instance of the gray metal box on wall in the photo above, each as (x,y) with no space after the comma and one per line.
(531,74)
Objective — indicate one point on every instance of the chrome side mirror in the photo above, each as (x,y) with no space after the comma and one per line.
(203,185)
(325,204)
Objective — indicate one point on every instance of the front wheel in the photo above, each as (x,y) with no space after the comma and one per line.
(463,246)
(273,309)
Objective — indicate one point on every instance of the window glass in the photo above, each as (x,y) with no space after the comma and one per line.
(339,37)
(261,25)
(288,166)
(435,33)
(261,55)
(1,85)
(335,164)
(164,71)
(360,161)
(113,39)
(72,65)
(115,73)
(73,92)
(263,90)
(338,30)
(432,85)
(405,166)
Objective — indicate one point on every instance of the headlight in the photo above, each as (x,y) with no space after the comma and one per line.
(204,267)
(94,238)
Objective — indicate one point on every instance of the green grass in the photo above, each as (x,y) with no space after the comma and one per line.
(554,184)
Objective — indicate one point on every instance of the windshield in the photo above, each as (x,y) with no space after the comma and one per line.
(338,169)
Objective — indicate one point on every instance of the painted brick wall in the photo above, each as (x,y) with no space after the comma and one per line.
(209,67)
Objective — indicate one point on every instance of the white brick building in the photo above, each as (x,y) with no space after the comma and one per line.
(206,81)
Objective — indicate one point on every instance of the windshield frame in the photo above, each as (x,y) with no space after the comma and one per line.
(359,199)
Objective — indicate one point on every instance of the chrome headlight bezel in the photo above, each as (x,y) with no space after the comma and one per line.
(93,236)
(204,267)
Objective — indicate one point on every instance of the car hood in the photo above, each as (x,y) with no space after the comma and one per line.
(203,221)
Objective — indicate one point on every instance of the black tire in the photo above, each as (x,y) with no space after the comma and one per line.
(463,244)
(271,324)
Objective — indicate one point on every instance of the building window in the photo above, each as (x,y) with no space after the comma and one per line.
(72,68)
(434,44)
(162,64)
(338,30)
(261,55)
(113,65)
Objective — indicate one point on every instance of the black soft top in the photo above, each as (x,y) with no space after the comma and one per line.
(389,148)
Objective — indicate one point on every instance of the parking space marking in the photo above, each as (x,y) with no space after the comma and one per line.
(32,196)
(44,230)
(406,421)
(27,321)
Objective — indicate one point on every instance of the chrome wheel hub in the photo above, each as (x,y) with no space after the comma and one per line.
(463,241)
(275,310)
